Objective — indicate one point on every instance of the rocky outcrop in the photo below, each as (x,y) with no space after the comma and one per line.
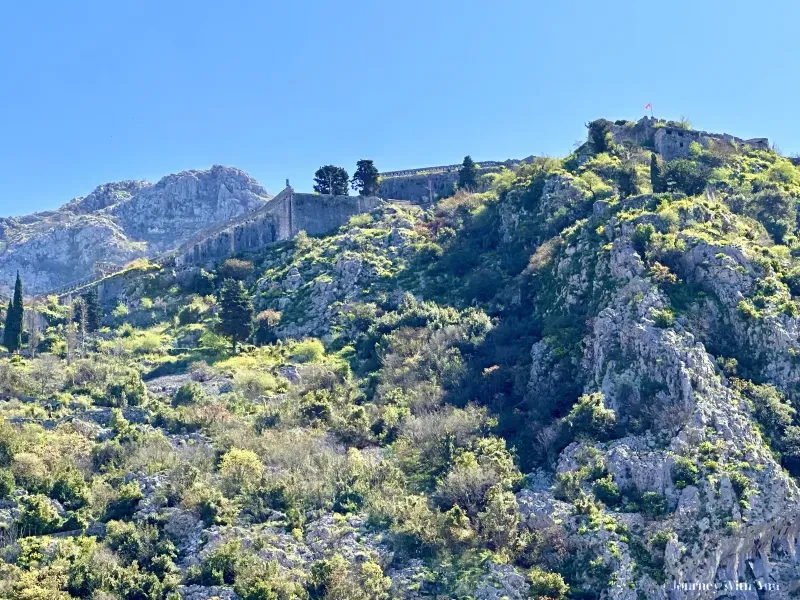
(119,222)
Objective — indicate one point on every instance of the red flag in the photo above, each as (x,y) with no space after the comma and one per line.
(649,106)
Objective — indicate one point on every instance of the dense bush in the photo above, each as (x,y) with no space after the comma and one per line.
(189,393)
(590,418)
(6,483)
(684,472)
(38,516)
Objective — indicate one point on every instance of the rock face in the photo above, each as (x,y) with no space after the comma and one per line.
(119,222)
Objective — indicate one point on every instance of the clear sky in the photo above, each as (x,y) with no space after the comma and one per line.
(97,91)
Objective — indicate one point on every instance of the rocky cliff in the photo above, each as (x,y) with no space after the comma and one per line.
(119,222)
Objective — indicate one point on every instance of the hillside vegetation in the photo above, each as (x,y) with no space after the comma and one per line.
(581,383)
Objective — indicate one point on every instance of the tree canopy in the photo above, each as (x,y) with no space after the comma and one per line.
(236,312)
(12,332)
(331,179)
(468,174)
(365,179)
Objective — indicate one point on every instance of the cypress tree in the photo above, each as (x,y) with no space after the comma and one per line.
(236,312)
(12,332)
(656,176)
(92,310)
(468,174)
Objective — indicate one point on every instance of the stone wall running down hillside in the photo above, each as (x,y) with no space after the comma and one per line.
(280,219)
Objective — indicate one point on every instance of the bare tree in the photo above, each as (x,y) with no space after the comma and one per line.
(83,317)
(32,325)
(47,372)
(70,335)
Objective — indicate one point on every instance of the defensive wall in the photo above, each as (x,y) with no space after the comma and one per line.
(425,185)
(281,218)
(670,141)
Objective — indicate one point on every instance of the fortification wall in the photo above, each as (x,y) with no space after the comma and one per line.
(673,142)
(426,184)
(422,188)
(280,219)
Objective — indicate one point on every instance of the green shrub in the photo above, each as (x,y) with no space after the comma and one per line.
(653,504)
(266,323)
(310,350)
(234,268)
(7,483)
(545,585)
(254,385)
(219,567)
(129,391)
(606,490)
(38,516)
(335,577)
(663,318)
(747,310)
(125,505)
(590,418)
(71,490)
(189,393)
(641,237)
(30,471)
(684,472)
(568,486)
(240,470)
(193,312)
(211,505)
(740,483)
(108,456)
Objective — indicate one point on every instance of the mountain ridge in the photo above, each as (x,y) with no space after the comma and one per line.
(121,221)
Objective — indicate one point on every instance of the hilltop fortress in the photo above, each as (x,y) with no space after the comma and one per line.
(283,216)
(668,138)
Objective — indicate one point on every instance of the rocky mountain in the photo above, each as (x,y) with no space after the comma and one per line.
(119,222)
(581,383)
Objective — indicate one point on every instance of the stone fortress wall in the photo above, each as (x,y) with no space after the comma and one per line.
(673,142)
(280,219)
(426,184)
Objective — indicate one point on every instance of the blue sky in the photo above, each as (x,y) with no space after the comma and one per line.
(98,91)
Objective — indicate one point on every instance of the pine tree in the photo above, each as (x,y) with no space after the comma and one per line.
(93,315)
(656,176)
(331,179)
(236,312)
(12,333)
(365,179)
(468,174)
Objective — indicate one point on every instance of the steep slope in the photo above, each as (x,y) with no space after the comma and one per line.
(119,222)
(580,384)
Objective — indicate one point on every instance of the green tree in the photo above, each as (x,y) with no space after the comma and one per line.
(468,174)
(600,136)
(684,175)
(235,268)
(656,177)
(12,333)
(365,179)
(92,307)
(236,312)
(331,179)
